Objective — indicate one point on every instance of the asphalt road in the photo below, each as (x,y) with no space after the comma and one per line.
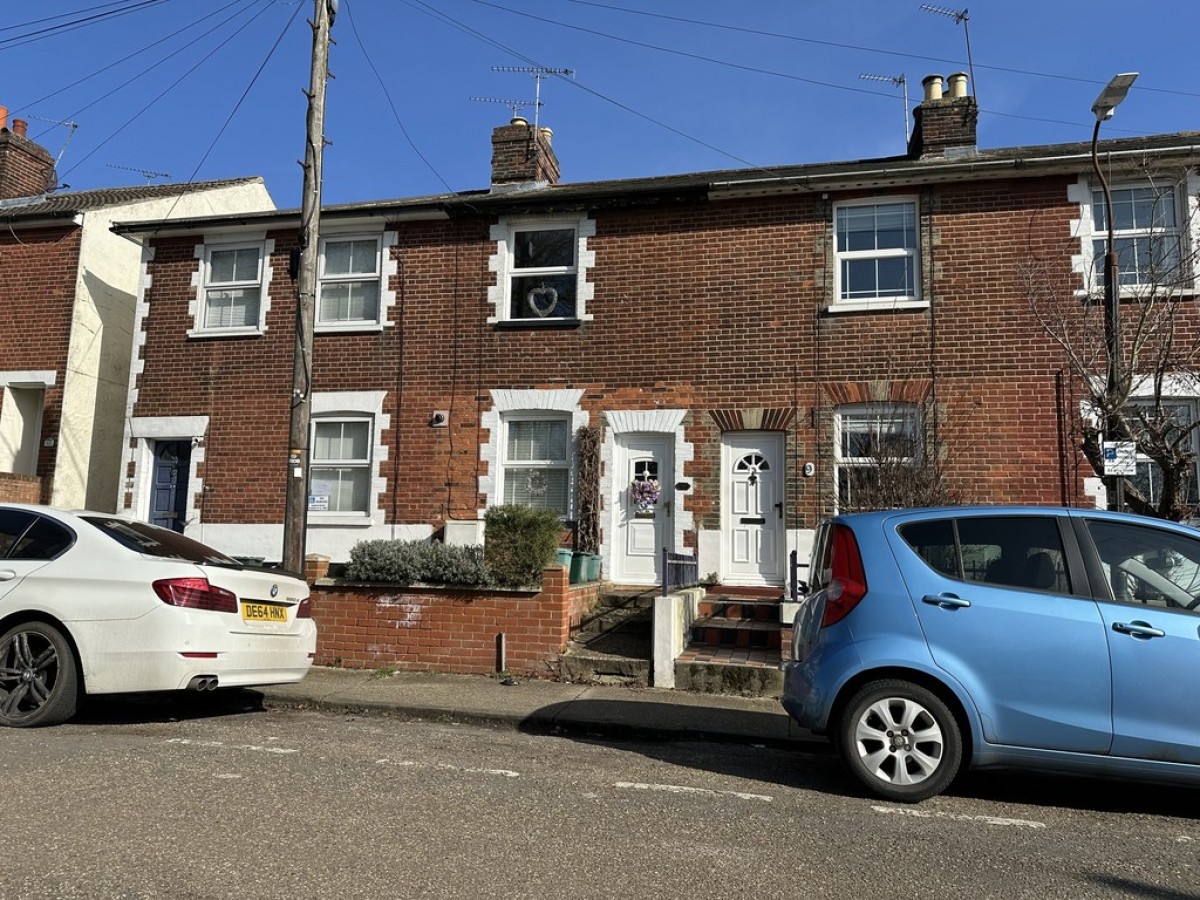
(139,800)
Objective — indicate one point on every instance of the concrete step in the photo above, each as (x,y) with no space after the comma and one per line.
(584,666)
(759,677)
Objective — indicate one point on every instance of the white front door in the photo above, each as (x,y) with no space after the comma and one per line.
(645,492)
(753,507)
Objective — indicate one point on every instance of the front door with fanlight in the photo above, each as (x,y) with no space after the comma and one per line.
(644,506)
(753,508)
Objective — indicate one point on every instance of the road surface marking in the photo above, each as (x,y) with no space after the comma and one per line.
(221,745)
(682,789)
(983,820)
(446,767)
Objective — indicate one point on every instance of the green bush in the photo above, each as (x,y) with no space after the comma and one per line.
(413,562)
(521,541)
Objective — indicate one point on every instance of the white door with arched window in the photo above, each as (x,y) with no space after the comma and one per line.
(752,507)
(645,506)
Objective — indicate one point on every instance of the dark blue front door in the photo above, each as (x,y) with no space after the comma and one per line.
(171,464)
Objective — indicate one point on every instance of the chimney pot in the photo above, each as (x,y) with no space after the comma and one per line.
(20,127)
(958,85)
(3,116)
(933,87)
(518,120)
(547,134)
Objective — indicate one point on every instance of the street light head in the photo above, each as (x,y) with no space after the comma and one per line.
(1112,95)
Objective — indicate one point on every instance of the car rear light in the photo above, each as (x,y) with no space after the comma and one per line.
(848,579)
(304,610)
(195,593)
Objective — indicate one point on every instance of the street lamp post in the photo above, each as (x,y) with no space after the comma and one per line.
(1112,95)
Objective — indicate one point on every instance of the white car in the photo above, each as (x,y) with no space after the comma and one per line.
(92,603)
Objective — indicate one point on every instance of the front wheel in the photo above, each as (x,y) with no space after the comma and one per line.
(900,740)
(38,676)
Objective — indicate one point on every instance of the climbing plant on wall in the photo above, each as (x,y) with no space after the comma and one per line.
(587,443)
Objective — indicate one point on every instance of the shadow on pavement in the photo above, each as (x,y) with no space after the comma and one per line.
(141,709)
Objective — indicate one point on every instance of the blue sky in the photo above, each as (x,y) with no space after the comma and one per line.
(206,89)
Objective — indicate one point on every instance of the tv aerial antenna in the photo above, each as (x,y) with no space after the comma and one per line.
(539,73)
(515,105)
(71,128)
(895,81)
(960,17)
(145,173)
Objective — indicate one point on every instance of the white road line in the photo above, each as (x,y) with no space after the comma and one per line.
(221,745)
(982,820)
(683,789)
(446,767)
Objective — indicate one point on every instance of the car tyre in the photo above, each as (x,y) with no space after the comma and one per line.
(900,740)
(39,680)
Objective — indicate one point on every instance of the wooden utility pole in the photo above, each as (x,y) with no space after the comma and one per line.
(295,515)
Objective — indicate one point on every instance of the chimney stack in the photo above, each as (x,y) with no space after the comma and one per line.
(944,125)
(522,154)
(26,168)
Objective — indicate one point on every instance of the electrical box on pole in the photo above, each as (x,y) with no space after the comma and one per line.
(295,516)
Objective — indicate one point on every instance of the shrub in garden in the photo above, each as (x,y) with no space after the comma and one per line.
(417,562)
(521,541)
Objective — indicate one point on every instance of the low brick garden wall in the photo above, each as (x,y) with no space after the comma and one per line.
(374,626)
(20,488)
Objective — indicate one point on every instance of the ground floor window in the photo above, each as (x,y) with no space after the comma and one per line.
(536,466)
(340,465)
(1173,421)
(875,445)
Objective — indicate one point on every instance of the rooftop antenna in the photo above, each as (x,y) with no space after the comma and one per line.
(514,105)
(70,126)
(539,73)
(960,17)
(896,81)
(145,173)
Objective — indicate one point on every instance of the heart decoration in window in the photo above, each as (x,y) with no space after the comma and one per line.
(542,300)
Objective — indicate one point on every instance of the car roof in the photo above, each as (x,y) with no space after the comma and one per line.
(883,515)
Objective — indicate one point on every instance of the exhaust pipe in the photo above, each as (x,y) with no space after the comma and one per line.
(203,683)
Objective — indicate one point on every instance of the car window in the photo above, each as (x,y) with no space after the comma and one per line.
(1018,551)
(13,524)
(154,541)
(1015,551)
(934,542)
(1148,565)
(818,566)
(43,539)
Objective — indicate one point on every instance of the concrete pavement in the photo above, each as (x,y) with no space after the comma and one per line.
(544,705)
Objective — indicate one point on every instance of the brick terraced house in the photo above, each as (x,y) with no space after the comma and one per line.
(749,340)
(68,287)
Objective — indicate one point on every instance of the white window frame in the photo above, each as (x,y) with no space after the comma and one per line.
(503,263)
(1100,236)
(1191,406)
(356,464)
(1087,193)
(894,301)
(907,412)
(204,285)
(385,299)
(353,406)
(508,468)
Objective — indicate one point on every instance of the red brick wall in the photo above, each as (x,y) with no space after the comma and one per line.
(448,630)
(38,269)
(713,307)
(20,488)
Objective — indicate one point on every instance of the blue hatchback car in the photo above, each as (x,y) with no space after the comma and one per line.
(1061,640)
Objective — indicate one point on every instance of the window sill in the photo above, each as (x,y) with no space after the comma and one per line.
(339,520)
(855,306)
(519,324)
(353,328)
(207,333)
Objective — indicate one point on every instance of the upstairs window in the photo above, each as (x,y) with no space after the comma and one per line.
(876,253)
(232,292)
(350,282)
(544,273)
(1146,236)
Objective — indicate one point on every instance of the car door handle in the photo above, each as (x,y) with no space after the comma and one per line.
(7,574)
(1138,629)
(946,601)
